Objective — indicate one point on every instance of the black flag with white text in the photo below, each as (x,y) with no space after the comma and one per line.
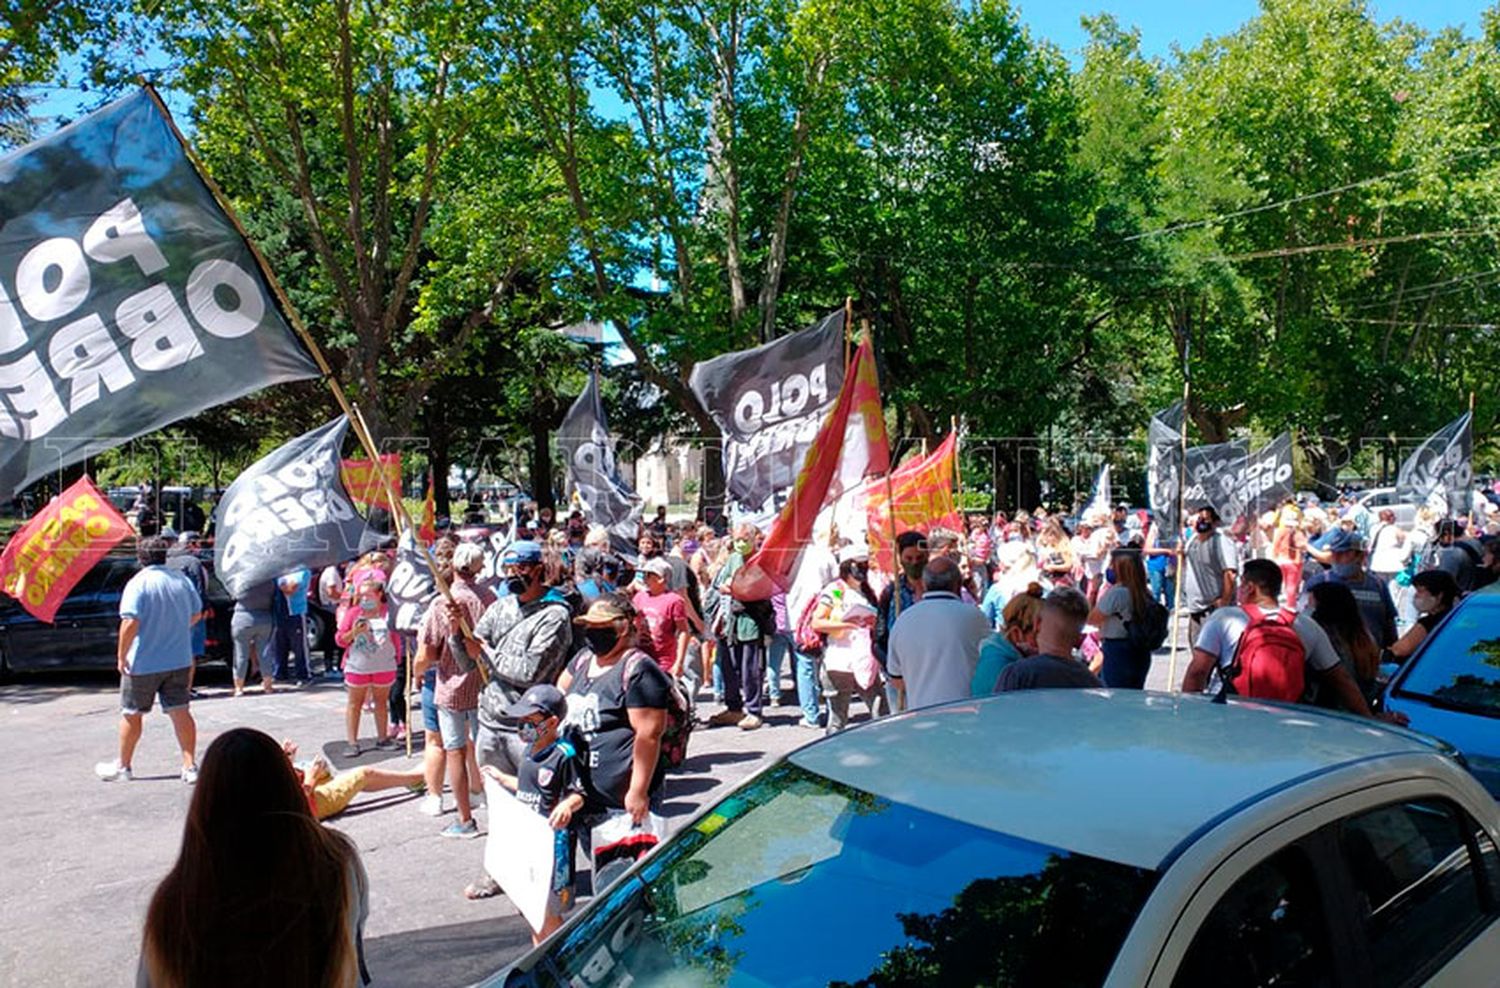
(128,299)
(589,451)
(289,509)
(1440,472)
(770,402)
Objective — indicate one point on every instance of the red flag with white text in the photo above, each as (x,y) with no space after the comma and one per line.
(850,446)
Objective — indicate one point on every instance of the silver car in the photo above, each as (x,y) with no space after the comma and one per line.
(1066,838)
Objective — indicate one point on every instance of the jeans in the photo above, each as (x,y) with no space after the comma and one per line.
(287,634)
(692,673)
(809,693)
(1124,666)
(1163,585)
(744,675)
(780,648)
(251,633)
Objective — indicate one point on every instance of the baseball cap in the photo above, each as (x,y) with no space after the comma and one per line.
(1344,541)
(522,552)
(853,551)
(543,698)
(601,612)
(657,567)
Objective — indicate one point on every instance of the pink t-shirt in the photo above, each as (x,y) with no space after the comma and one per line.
(664,614)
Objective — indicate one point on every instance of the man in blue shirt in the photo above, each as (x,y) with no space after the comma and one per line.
(289,627)
(158,609)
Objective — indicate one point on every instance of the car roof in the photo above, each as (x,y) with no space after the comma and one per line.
(1124,775)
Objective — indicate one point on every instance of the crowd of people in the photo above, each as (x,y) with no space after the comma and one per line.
(573,673)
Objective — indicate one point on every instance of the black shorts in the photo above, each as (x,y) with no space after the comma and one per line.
(138,693)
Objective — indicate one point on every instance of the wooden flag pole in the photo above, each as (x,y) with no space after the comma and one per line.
(356,420)
(849,328)
(1181,543)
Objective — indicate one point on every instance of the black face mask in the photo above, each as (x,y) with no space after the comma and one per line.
(1204,526)
(517,585)
(601,640)
(858,573)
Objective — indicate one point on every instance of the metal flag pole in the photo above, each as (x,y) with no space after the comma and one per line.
(1180,542)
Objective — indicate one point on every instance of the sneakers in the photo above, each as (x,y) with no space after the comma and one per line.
(386,744)
(750,722)
(432,805)
(725,718)
(461,828)
(113,771)
(811,725)
(190,775)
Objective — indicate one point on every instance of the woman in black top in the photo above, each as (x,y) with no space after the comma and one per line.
(617,705)
(1434,592)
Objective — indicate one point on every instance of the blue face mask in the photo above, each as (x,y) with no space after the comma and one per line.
(1109,575)
(528,732)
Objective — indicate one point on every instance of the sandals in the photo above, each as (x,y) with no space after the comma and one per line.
(351,751)
(482,889)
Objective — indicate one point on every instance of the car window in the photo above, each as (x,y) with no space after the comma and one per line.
(1416,889)
(874,892)
(1268,929)
(1459,665)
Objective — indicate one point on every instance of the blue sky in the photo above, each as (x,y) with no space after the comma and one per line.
(1187,22)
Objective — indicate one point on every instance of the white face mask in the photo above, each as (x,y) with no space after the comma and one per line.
(1424,603)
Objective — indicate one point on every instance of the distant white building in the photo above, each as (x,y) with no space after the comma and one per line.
(666,475)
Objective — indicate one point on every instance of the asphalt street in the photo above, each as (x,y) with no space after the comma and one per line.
(81,857)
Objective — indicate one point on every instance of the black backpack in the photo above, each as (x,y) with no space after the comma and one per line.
(1146,632)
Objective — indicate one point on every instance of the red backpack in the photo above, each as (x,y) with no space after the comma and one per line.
(1270,659)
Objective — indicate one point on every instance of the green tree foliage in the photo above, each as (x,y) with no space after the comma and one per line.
(1301,210)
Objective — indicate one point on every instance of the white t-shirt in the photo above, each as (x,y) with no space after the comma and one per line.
(1220,636)
(1388,549)
(1115,604)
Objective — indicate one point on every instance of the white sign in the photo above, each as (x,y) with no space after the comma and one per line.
(518,852)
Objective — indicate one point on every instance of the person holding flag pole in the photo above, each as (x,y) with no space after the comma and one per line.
(362,433)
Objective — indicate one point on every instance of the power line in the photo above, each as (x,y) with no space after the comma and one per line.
(1264,207)
(1355,244)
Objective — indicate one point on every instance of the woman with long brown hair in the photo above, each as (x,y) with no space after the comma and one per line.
(1335,609)
(1126,600)
(251,850)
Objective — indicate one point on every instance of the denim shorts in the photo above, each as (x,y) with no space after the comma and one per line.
(429,702)
(458,727)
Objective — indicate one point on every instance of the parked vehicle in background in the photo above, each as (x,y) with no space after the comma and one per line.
(1160,840)
(1386,497)
(87,625)
(1450,686)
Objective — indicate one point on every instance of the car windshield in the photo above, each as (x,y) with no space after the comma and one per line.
(798,880)
(1460,665)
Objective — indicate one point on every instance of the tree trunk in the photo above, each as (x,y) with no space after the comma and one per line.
(541,459)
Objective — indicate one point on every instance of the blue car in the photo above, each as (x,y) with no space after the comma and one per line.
(1450,687)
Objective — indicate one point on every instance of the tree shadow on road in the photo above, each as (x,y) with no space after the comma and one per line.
(457,954)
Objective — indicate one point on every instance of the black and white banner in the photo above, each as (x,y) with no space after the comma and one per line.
(1206,465)
(590,454)
(410,585)
(1164,466)
(128,299)
(770,402)
(1259,482)
(289,509)
(1440,472)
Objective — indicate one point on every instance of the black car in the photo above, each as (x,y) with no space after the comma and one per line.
(84,633)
